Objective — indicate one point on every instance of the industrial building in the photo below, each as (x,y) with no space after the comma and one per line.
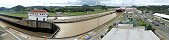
(162,16)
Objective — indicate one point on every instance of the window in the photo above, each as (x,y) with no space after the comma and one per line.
(43,19)
(34,13)
(36,18)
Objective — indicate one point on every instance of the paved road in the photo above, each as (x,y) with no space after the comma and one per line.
(6,36)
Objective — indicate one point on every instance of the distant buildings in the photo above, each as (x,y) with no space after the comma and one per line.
(40,15)
(162,16)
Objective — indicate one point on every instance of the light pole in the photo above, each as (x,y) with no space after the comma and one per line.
(97,14)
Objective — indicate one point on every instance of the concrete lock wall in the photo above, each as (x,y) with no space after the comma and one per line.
(39,26)
(71,29)
(35,24)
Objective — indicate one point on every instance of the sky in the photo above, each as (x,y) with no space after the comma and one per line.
(11,3)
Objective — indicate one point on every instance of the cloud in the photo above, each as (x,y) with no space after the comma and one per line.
(11,3)
(122,2)
(90,2)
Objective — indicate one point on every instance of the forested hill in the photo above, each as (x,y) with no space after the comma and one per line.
(155,9)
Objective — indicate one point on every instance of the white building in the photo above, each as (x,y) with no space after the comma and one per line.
(161,15)
(40,15)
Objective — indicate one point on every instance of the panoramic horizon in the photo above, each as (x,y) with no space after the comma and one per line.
(27,3)
(84,19)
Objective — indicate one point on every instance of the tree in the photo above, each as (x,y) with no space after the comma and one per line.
(46,9)
(28,8)
(61,10)
(75,9)
(134,6)
(154,9)
(52,9)
(18,8)
(102,7)
(3,8)
(85,5)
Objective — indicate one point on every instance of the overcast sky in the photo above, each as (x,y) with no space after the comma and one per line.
(11,3)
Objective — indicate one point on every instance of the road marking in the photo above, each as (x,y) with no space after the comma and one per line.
(23,35)
(13,35)
(4,34)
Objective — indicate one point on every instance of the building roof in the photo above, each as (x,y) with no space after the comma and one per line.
(130,34)
(162,15)
(38,11)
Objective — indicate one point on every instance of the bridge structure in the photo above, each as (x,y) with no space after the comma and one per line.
(74,27)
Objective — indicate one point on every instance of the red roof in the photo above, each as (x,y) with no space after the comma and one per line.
(38,11)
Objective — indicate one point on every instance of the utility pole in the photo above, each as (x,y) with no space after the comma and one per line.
(97,14)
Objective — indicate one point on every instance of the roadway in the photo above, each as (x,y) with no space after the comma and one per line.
(4,35)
